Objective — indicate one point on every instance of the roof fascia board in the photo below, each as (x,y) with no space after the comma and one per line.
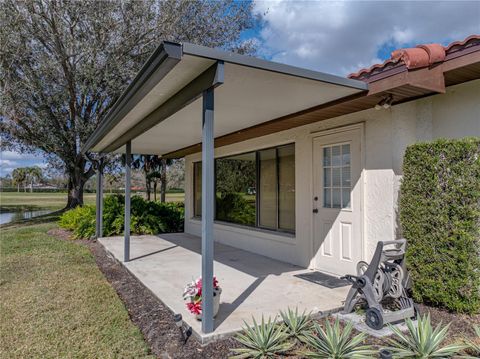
(158,65)
(212,77)
(462,60)
(243,60)
(426,78)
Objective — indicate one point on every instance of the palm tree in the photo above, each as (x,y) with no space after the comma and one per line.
(154,169)
(159,175)
(154,177)
(163,178)
(148,164)
(33,174)
(18,177)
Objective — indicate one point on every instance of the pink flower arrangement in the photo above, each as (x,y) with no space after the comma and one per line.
(193,295)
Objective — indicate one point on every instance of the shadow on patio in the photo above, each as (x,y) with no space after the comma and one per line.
(252,285)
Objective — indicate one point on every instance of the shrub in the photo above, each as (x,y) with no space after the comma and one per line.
(296,325)
(264,340)
(80,220)
(335,343)
(113,214)
(422,341)
(440,216)
(145,217)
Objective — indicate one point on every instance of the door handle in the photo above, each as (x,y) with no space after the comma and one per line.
(315,210)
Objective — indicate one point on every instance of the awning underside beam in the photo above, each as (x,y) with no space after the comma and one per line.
(210,78)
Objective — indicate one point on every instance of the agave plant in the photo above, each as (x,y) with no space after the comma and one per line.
(474,346)
(296,325)
(264,340)
(422,341)
(335,343)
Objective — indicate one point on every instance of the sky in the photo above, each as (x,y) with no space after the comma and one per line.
(339,37)
(10,160)
(343,37)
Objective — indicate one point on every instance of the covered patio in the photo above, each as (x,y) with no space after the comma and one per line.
(252,285)
(169,110)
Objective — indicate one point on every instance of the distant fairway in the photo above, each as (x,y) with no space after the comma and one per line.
(57,200)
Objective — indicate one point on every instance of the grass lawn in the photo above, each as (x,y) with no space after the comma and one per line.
(55,200)
(54,301)
(39,200)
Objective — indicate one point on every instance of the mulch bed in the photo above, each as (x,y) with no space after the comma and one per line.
(155,320)
(461,325)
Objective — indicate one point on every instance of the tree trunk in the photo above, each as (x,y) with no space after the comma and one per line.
(155,191)
(18,187)
(75,192)
(163,181)
(77,177)
(31,186)
(148,186)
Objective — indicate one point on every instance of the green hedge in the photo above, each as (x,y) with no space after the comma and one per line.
(146,217)
(440,216)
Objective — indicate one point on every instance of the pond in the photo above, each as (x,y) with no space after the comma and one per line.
(8,215)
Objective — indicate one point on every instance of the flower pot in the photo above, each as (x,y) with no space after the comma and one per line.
(216,303)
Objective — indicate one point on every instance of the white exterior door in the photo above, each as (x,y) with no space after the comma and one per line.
(337,191)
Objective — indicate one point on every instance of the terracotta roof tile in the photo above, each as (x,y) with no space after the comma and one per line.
(412,58)
(472,39)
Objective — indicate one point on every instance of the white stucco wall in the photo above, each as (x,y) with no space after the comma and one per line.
(386,135)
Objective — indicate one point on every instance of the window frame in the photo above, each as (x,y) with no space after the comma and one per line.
(257,190)
(195,180)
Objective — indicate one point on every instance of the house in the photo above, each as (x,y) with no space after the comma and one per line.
(297,165)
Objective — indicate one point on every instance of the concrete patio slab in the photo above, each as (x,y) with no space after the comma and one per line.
(252,285)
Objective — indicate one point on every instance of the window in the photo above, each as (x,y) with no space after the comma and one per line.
(254,189)
(268,187)
(336,176)
(235,182)
(286,188)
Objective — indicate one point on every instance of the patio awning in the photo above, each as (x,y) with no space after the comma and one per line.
(186,94)
(161,111)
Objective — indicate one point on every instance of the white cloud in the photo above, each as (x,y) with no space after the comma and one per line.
(7,163)
(11,155)
(7,166)
(9,160)
(342,37)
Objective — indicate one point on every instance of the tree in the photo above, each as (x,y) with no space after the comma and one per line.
(33,174)
(154,177)
(64,63)
(176,174)
(163,179)
(18,177)
(159,174)
(149,165)
(111,179)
